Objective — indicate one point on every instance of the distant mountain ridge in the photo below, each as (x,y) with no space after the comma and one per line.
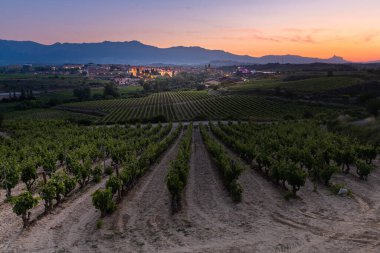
(134,53)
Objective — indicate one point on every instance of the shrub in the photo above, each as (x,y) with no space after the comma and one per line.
(229,169)
(288,195)
(114,183)
(102,200)
(363,169)
(70,183)
(22,204)
(29,174)
(108,170)
(97,173)
(179,170)
(9,177)
(48,192)
(99,224)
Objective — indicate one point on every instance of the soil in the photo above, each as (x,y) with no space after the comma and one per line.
(209,220)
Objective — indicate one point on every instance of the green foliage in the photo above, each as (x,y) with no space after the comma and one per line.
(367,152)
(373,106)
(108,170)
(229,168)
(58,181)
(288,152)
(49,162)
(327,173)
(82,93)
(97,173)
(130,171)
(236,190)
(22,204)
(43,143)
(82,172)
(1,119)
(363,169)
(102,200)
(69,182)
(289,194)
(114,184)
(9,177)
(194,105)
(99,224)
(295,176)
(29,173)
(48,193)
(111,90)
(179,169)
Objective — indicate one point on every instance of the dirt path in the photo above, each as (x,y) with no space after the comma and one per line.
(142,221)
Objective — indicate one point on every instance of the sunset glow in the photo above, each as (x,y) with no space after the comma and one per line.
(320,28)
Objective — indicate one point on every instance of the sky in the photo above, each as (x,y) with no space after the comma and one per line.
(315,28)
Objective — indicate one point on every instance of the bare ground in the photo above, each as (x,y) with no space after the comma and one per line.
(210,221)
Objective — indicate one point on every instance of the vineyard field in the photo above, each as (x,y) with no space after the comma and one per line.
(315,85)
(226,180)
(191,105)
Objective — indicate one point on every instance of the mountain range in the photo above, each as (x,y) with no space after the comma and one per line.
(134,53)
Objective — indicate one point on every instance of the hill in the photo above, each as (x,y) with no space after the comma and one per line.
(133,52)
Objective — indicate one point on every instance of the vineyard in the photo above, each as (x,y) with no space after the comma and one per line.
(55,167)
(190,105)
(288,153)
(316,84)
(182,186)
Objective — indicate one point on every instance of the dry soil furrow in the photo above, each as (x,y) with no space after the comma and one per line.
(63,228)
(143,218)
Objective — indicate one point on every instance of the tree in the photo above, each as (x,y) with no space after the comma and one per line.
(29,174)
(110,89)
(9,177)
(82,93)
(102,200)
(146,85)
(22,204)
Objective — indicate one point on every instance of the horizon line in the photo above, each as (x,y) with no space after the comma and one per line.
(176,46)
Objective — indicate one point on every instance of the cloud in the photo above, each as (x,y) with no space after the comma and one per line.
(371,35)
(285,35)
(298,35)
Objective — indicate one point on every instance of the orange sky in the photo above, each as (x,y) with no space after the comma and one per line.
(316,28)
